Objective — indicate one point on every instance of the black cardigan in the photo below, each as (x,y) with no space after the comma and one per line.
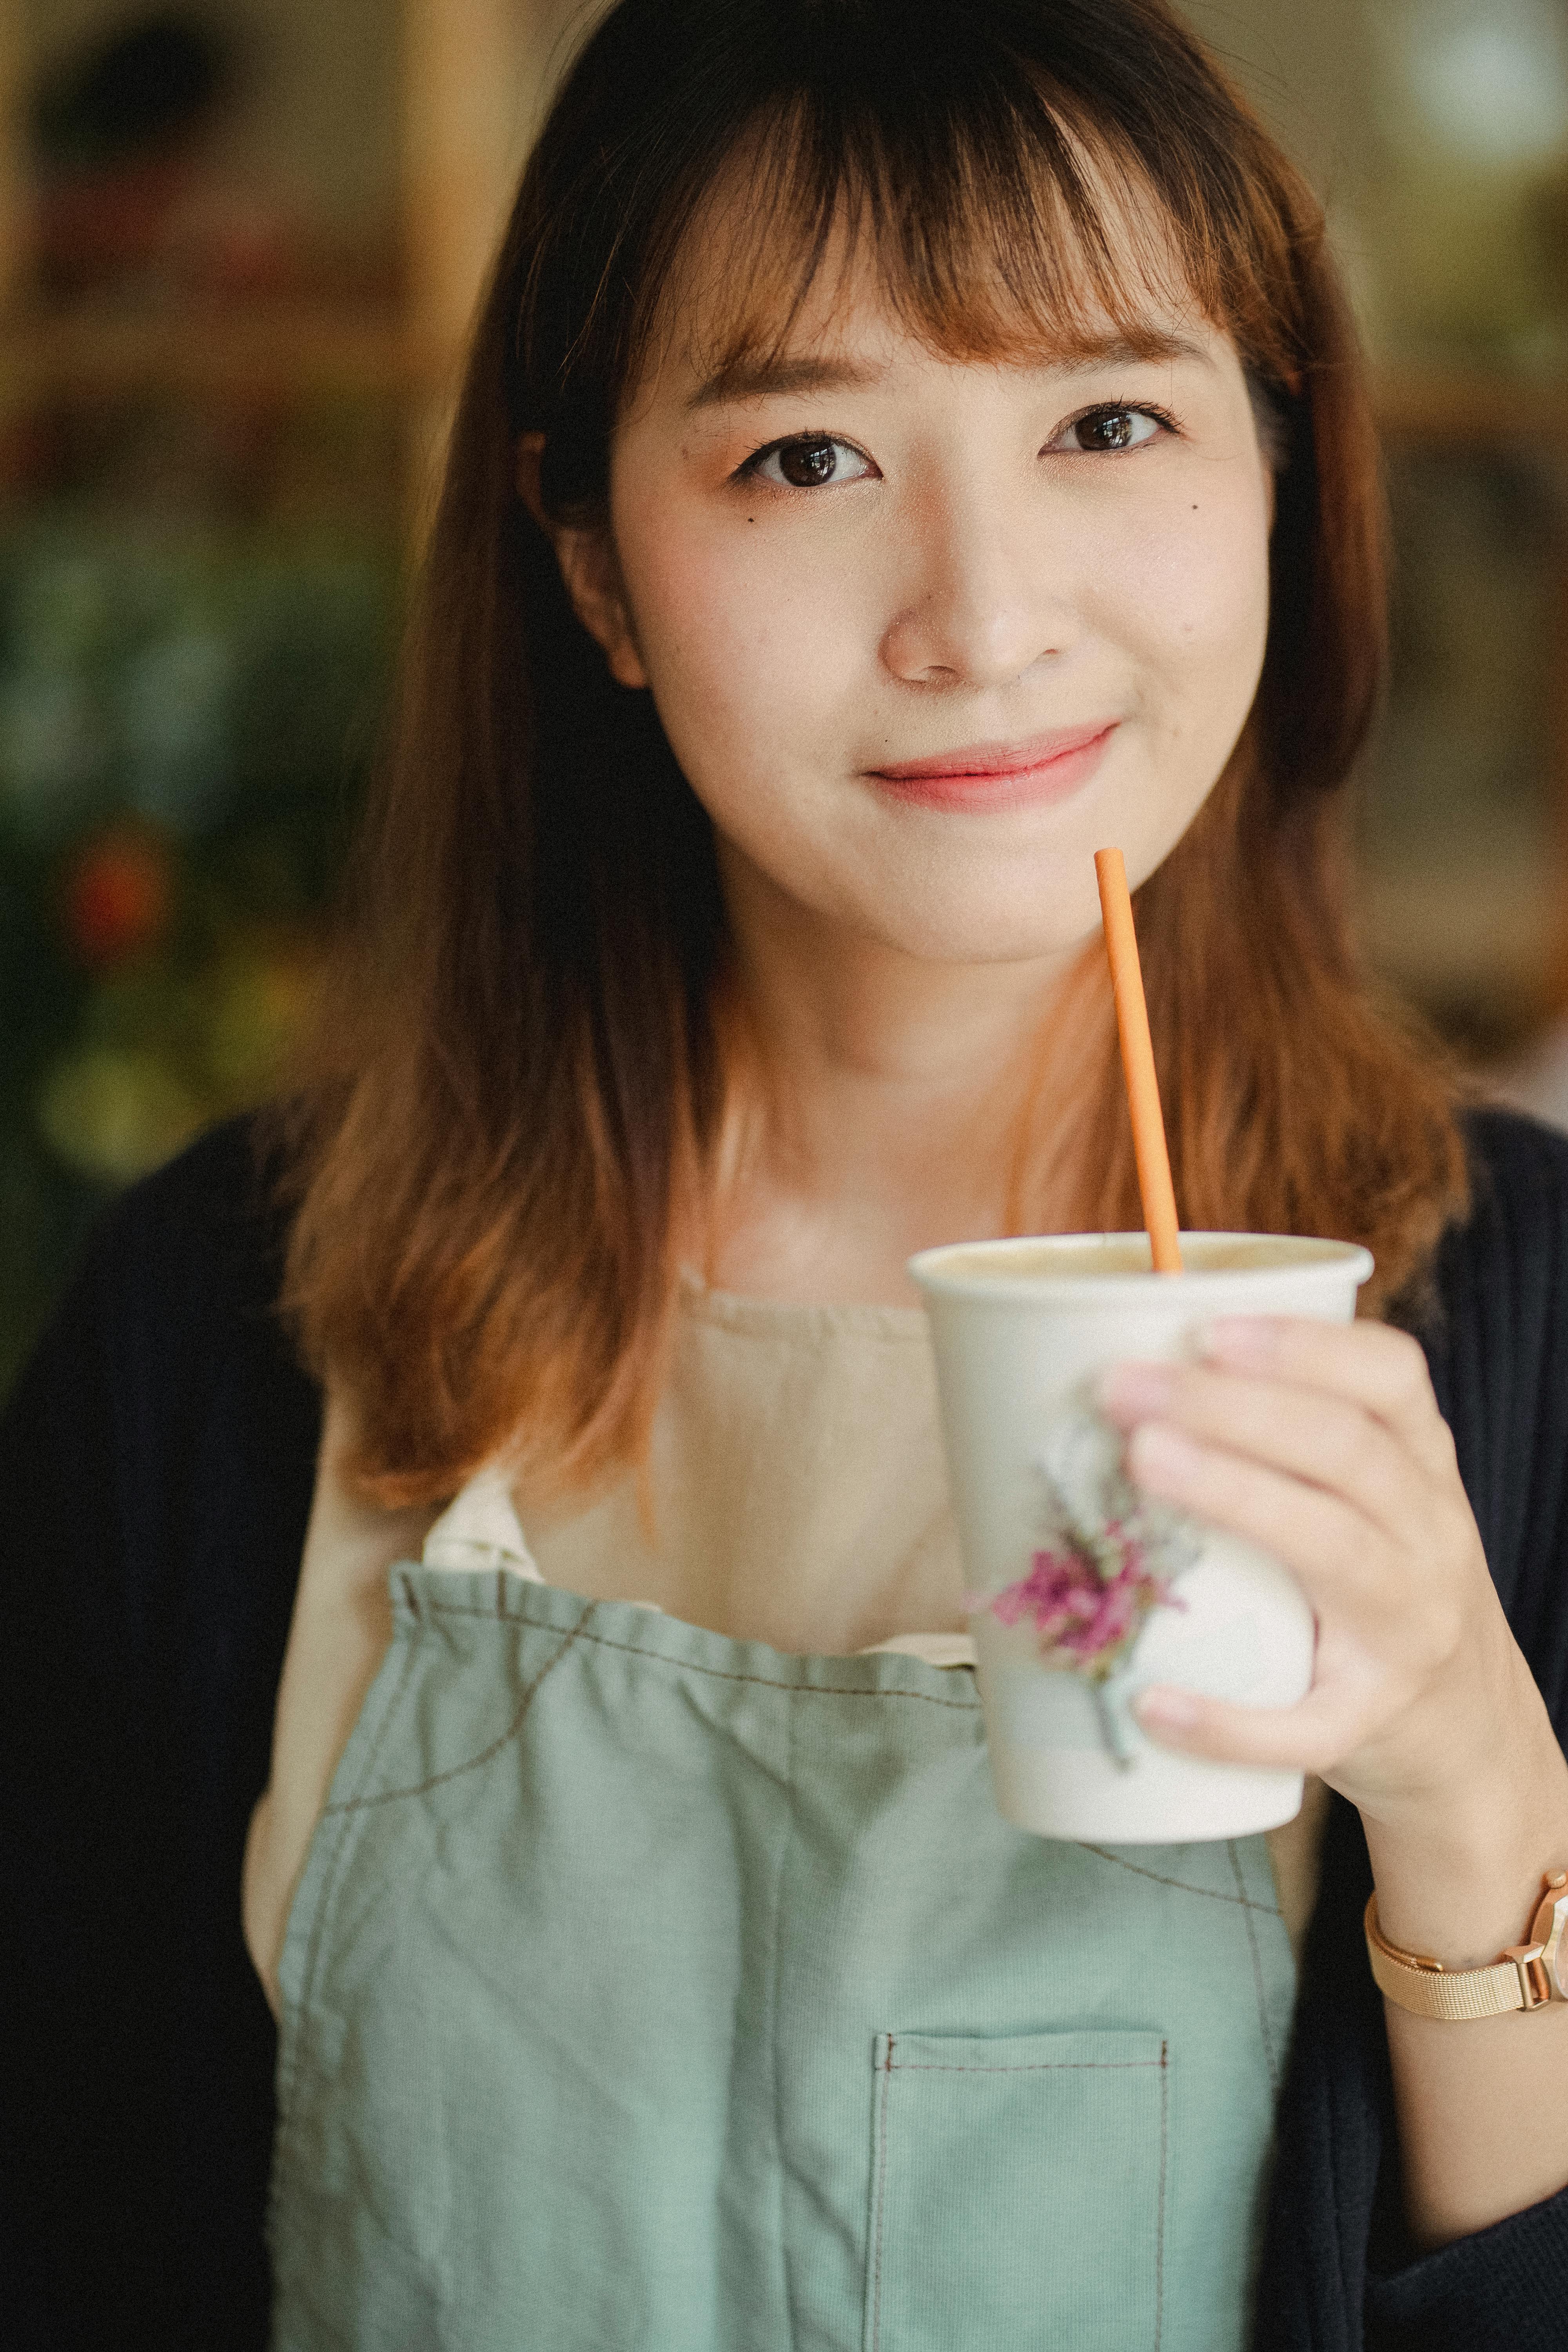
(156,1467)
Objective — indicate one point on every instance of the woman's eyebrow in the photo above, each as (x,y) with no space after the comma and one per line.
(750,378)
(761,379)
(1148,345)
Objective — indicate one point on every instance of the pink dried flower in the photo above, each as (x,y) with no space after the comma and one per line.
(1081,1611)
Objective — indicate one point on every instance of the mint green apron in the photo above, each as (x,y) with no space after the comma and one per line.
(647,1992)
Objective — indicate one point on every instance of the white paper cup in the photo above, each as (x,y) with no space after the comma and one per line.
(1020,1330)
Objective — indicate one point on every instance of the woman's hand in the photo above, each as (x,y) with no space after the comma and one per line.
(1324,1443)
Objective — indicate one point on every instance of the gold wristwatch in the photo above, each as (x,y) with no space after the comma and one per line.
(1525,1975)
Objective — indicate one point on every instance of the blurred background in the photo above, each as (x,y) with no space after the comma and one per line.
(239,242)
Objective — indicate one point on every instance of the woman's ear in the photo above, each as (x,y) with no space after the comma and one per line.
(589,568)
(1273,431)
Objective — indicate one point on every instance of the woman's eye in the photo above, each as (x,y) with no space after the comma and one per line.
(808,463)
(1106,432)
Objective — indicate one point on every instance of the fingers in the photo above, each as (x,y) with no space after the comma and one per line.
(1323,1441)
(1347,1409)
(1409,1587)
(1369,1365)
(1307,1738)
(1322,1537)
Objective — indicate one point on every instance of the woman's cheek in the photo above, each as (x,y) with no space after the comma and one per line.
(1190,609)
(1196,598)
(735,639)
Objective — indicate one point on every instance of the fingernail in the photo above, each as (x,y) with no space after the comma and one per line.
(1135,1392)
(1172,1710)
(1249,1341)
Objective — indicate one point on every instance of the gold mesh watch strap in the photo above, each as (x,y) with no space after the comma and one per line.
(1430,1990)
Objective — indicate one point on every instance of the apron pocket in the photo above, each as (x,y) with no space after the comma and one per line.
(1017,2192)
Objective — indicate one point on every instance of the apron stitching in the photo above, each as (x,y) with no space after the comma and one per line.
(456,1771)
(776,1976)
(299,2021)
(1213,1894)
(725,1673)
(1028,2066)
(881,2201)
(319,1923)
(1160,2216)
(772,1682)
(1263,2024)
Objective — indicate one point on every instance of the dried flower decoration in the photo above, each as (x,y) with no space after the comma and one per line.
(1106,1559)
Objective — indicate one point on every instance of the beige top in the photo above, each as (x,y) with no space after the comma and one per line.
(796,1493)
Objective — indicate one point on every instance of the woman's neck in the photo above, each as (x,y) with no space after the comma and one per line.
(890,1093)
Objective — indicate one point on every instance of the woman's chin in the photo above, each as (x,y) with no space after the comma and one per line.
(992,930)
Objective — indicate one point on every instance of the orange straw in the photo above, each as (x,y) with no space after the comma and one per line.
(1138,1063)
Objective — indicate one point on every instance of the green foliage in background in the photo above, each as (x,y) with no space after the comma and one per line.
(185,719)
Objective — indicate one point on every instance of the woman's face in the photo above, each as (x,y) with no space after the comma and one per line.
(924,634)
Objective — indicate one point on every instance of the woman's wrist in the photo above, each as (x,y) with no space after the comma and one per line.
(1458,1873)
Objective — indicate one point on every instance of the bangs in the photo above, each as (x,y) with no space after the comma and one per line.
(988,250)
(1004,221)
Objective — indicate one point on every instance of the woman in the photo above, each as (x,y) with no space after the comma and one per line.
(902,449)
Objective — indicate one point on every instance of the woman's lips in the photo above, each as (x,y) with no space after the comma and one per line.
(1001,775)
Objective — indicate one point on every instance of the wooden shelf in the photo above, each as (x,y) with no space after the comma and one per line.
(266,353)
(1443,408)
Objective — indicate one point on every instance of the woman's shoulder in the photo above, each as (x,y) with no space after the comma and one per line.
(1501,1271)
(191,1250)
(1496,1336)
(206,1230)
(166,1360)
(1518,1170)
(156,1463)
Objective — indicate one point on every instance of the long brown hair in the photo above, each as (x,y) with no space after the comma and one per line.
(513,1124)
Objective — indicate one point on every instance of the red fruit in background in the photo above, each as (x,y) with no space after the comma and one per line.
(116,898)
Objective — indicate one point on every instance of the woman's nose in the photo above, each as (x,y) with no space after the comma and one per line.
(985,604)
